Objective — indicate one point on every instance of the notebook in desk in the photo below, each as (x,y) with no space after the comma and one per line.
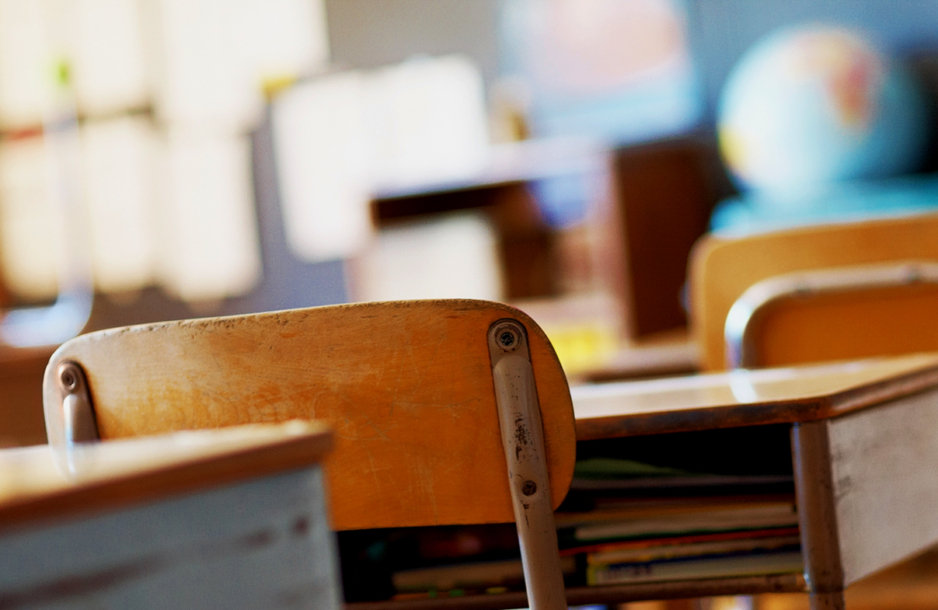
(639,514)
(647,532)
(229,518)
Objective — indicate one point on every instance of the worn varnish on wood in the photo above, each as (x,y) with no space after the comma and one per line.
(883,467)
(406,387)
(866,491)
(864,445)
(43,483)
(214,519)
(746,398)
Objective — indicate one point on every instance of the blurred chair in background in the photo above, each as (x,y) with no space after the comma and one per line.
(834,314)
(722,269)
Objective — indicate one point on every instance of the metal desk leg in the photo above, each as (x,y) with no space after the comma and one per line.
(814,488)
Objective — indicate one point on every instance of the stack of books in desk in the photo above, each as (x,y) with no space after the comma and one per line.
(710,508)
(653,524)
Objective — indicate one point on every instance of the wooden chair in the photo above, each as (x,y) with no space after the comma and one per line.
(723,268)
(431,402)
(835,314)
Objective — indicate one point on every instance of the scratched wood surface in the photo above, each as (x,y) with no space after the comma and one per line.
(406,387)
(883,466)
(722,268)
(743,398)
(258,543)
(42,483)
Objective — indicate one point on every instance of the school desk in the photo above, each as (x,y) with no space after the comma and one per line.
(864,449)
(230,518)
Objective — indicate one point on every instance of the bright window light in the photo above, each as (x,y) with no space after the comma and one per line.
(323,154)
(210,248)
(26,64)
(166,92)
(109,56)
(340,137)
(215,56)
(119,169)
(30,232)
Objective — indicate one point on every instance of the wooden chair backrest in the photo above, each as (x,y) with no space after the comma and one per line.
(406,387)
(722,268)
(802,326)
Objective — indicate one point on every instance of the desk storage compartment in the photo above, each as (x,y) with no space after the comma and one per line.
(643,514)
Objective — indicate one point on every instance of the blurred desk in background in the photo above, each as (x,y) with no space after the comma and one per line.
(665,354)
(590,241)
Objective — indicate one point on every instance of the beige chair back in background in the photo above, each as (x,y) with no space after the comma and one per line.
(723,268)
(836,313)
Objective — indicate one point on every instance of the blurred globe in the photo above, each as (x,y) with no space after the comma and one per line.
(814,105)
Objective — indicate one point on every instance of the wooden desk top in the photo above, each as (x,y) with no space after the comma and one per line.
(40,483)
(742,398)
